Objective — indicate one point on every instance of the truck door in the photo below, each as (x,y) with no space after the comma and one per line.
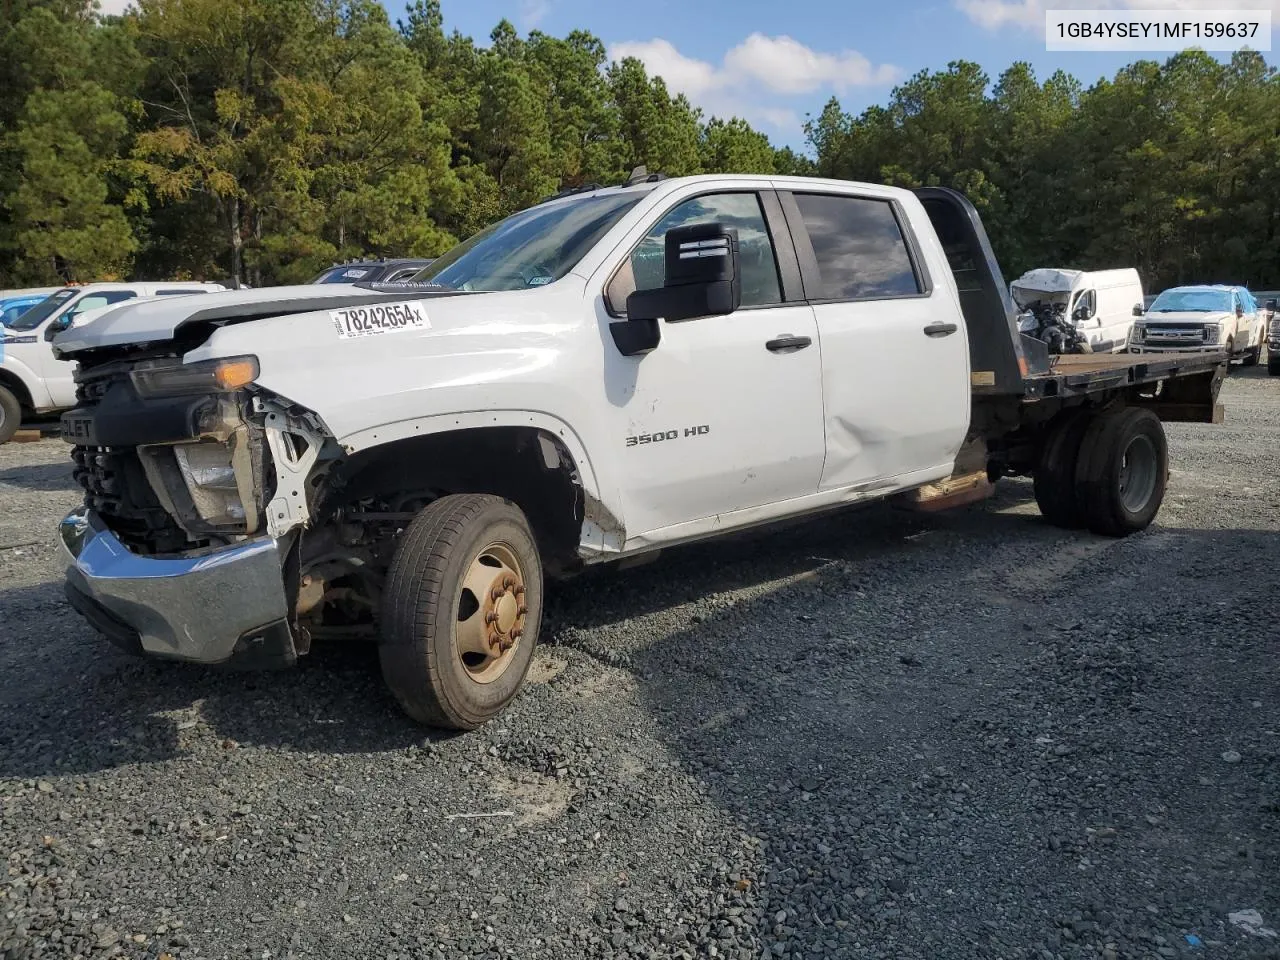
(726,413)
(895,362)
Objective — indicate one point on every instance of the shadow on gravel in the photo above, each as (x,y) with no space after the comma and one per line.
(73,704)
(111,709)
(41,476)
(944,763)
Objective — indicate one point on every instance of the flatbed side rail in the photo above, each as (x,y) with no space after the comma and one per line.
(1177,388)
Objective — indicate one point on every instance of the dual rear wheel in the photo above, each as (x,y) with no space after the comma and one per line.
(1104,471)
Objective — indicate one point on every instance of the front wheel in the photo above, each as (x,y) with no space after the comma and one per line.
(10,415)
(1252,356)
(461,611)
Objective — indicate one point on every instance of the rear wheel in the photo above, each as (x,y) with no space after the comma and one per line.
(10,415)
(461,611)
(1055,474)
(1122,471)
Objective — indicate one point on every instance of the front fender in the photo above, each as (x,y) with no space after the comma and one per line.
(34,385)
(602,529)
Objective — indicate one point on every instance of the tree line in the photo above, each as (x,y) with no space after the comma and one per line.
(261,140)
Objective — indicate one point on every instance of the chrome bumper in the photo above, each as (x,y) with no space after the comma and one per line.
(224,606)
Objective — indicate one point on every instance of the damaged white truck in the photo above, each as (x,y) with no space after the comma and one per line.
(608,373)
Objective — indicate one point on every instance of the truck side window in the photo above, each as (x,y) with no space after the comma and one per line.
(1086,306)
(860,249)
(646,267)
(96,300)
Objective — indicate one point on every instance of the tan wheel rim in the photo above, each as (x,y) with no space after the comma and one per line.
(490,613)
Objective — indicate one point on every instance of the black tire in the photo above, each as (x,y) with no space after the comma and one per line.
(10,415)
(1251,357)
(1116,493)
(424,601)
(1055,474)
(1273,366)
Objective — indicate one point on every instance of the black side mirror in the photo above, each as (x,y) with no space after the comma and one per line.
(55,328)
(1137,310)
(1239,310)
(702,278)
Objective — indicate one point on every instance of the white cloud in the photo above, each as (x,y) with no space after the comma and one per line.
(114,7)
(788,66)
(1029,14)
(756,69)
(533,12)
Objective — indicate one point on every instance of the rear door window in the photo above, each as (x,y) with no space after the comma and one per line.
(859,246)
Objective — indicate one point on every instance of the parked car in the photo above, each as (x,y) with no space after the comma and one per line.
(35,382)
(13,307)
(1273,338)
(1203,319)
(633,368)
(373,271)
(1101,304)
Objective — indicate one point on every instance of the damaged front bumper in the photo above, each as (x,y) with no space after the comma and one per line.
(226,605)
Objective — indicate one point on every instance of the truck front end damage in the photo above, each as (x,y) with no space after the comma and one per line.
(196,489)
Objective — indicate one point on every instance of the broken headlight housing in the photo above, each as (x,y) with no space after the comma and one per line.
(210,477)
(168,379)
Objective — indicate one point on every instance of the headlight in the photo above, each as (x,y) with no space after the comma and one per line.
(1139,333)
(186,379)
(1211,332)
(211,480)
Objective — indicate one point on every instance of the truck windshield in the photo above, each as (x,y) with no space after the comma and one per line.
(42,311)
(1192,301)
(531,248)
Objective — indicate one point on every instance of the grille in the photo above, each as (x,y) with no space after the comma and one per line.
(117,489)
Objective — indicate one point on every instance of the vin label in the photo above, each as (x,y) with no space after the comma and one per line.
(378,318)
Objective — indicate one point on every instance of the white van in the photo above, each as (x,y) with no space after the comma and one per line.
(32,380)
(1101,303)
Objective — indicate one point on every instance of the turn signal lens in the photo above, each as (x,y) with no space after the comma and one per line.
(237,373)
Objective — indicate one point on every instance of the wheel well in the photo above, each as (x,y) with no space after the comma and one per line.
(17,388)
(530,467)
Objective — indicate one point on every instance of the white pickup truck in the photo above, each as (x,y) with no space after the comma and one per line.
(606,374)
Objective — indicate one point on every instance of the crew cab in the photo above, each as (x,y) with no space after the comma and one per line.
(33,382)
(600,377)
(1206,319)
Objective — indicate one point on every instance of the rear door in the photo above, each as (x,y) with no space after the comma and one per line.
(726,413)
(895,363)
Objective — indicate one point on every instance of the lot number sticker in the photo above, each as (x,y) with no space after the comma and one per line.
(378,318)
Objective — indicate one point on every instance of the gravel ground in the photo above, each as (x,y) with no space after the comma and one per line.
(969,735)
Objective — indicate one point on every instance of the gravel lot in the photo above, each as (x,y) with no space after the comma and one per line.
(960,736)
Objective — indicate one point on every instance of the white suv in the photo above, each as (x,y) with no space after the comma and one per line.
(32,379)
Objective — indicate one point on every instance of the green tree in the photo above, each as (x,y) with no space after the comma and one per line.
(732,146)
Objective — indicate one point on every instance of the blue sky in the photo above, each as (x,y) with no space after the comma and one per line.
(773,61)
